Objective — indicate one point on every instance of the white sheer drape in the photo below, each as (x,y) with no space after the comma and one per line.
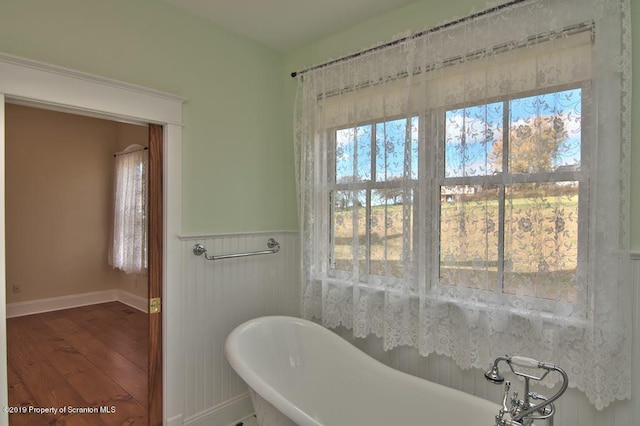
(467,192)
(129,249)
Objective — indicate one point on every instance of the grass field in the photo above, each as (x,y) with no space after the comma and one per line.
(540,242)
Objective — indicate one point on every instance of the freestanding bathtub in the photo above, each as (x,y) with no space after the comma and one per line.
(300,373)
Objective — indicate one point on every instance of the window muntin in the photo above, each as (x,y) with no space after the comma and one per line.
(509,199)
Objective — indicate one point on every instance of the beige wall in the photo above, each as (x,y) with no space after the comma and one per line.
(59,170)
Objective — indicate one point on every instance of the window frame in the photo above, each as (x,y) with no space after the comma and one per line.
(437,135)
(368,186)
(426,198)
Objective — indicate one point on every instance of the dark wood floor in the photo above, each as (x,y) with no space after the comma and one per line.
(82,359)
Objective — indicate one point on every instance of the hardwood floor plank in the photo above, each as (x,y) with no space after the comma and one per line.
(18,393)
(136,321)
(47,386)
(64,357)
(118,368)
(73,358)
(127,412)
(120,334)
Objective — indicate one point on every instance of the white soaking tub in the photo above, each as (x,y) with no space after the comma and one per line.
(300,373)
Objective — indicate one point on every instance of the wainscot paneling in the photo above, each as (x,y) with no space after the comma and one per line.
(220,295)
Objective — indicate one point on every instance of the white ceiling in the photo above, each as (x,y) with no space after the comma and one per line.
(286,24)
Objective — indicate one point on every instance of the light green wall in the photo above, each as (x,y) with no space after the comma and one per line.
(237,172)
(424,14)
(635,147)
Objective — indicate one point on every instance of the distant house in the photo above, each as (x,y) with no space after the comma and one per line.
(447,193)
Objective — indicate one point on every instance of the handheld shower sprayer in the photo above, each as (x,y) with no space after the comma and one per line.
(493,374)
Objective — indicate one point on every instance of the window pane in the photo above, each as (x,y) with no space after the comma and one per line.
(353,154)
(348,221)
(414,147)
(469,236)
(391,232)
(393,153)
(545,132)
(471,136)
(541,240)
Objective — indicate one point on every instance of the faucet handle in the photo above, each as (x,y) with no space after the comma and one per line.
(524,361)
(505,398)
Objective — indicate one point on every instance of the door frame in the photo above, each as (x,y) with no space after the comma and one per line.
(34,83)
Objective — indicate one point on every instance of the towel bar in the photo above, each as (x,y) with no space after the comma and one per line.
(273,245)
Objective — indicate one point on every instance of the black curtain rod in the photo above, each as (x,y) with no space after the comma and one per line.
(130,152)
(414,36)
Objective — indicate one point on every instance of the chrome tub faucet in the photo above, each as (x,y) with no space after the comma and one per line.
(533,406)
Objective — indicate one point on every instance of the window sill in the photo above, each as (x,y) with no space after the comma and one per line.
(437,297)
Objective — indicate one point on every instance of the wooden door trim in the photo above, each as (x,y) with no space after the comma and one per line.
(154,252)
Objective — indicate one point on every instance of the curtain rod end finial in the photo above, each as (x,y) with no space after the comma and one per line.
(294,74)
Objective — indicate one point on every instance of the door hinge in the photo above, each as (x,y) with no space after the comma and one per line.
(155,305)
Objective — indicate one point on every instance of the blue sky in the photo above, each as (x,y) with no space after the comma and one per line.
(390,156)
(471,131)
(470,135)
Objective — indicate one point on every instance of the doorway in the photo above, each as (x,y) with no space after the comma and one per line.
(43,85)
(59,204)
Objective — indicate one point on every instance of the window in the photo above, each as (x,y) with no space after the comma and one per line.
(374,175)
(508,199)
(509,193)
(473,182)
(129,248)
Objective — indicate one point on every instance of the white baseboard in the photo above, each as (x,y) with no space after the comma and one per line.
(39,306)
(223,414)
(174,421)
(133,300)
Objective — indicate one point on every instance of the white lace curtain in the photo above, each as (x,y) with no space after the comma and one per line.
(129,248)
(466,192)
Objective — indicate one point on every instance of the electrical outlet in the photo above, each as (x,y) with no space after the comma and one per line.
(16,288)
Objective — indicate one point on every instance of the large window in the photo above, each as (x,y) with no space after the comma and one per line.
(508,192)
(466,191)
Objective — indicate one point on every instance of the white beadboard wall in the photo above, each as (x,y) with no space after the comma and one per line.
(220,295)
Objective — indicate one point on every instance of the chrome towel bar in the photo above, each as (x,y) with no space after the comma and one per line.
(273,245)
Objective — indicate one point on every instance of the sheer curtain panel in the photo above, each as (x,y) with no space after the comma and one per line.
(129,249)
(466,192)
